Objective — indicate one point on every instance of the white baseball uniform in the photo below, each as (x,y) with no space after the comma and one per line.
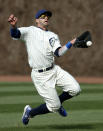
(41,46)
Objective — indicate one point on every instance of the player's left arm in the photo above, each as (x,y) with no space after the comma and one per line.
(62,50)
(14,31)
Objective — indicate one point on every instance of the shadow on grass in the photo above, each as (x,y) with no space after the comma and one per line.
(61,127)
(49,127)
(78,126)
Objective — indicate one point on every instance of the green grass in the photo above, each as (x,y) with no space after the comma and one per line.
(85,112)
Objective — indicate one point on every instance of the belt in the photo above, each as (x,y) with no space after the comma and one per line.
(46,69)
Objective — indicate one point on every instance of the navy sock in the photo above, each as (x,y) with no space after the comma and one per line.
(42,109)
(64,96)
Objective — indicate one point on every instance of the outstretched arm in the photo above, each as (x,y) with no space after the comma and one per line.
(15,33)
(62,50)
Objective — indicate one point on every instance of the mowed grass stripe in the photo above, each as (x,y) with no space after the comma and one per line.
(30,84)
(34,92)
(24,84)
(20,99)
(86,91)
(74,120)
(81,105)
(31,90)
(28,98)
(17,93)
(5,88)
(17,84)
(15,88)
(87,85)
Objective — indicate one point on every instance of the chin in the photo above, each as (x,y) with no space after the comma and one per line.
(46,25)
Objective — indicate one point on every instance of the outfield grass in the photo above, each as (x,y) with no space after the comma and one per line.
(85,112)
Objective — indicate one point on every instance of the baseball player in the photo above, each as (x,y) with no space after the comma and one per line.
(42,46)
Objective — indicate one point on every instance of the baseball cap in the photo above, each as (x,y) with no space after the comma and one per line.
(40,12)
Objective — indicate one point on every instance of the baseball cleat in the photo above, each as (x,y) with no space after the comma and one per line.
(62,112)
(26,116)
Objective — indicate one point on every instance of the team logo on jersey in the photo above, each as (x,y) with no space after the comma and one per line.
(52,41)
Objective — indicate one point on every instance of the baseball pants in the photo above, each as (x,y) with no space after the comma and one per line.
(46,82)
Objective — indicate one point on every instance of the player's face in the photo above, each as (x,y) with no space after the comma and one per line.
(43,20)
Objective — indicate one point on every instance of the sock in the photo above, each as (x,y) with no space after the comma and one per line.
(64,96)
(42,109)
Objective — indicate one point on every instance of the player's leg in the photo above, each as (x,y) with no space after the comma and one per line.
(52,103)
(69,85)
(45,85)
(46,88)
(31,112)
(41,109)
(64,96)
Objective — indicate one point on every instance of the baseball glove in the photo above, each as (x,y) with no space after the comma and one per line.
(82,40)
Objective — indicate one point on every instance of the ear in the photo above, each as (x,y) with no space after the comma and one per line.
(37,20)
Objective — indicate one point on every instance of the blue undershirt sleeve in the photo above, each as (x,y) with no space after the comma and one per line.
(56,52)
(15,33)
(62,50)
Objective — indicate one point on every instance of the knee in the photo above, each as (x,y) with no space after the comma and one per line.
(76,90)
(54,107)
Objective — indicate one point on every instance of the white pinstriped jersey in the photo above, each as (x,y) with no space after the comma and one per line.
(40,45)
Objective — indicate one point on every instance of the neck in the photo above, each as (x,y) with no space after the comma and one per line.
(42,27)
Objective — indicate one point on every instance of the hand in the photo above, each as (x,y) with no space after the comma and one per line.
(12,20)
(73,41)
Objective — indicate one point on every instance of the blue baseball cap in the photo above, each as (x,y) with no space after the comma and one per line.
(40,12)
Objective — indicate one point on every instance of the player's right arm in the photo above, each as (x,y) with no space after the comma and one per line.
(59,50)
(14,31)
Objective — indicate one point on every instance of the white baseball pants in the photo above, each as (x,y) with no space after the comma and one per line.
(45,83)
